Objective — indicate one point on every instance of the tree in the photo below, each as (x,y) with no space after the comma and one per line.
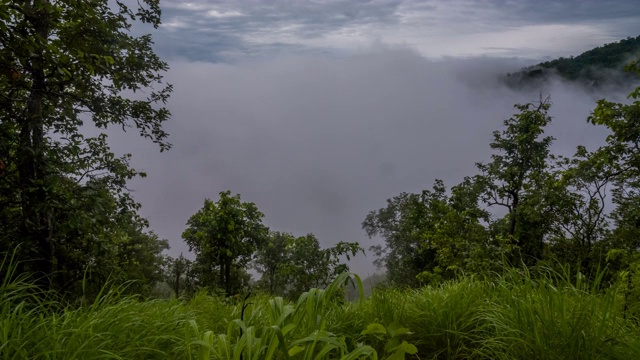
(62,64)
(271,260)
(292,265)
(400,224)
(619,161)
(458,234)
(177,273)
(137,256)
(580,188)
(225,236)
(310,266)
(430,237)
(620,157)
(514,177)
(99,240)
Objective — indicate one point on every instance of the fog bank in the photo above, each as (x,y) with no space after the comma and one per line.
(317,143)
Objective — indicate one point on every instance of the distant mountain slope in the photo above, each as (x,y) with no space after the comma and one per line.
(595,67)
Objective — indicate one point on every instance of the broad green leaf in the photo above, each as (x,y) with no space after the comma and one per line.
(374,328)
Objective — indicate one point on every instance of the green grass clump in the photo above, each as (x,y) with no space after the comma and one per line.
(518,315)
(548,317)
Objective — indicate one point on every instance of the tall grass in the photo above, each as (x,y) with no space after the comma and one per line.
(547,317)
(517,315)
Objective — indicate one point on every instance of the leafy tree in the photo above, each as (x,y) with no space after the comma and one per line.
(435,233)
(515,177)
(310,266)
(62,64)
(292,265)
(620,157)
(399,224)
(580,187)
(177,274)
(98,240)
(619,163)
(138,256)
(458,236)
(431,236)
(225,236)
(271,261)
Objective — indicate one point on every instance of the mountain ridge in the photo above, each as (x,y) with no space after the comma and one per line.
(602,65)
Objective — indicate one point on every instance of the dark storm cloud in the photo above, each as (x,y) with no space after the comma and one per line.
(318,142)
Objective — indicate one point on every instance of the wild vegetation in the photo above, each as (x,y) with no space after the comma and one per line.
(537,314)
(600,66)
(533,257)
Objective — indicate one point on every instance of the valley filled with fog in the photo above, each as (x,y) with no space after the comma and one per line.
(318,142)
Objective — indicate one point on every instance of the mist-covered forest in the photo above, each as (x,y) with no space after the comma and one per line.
(534,254)
(598,67)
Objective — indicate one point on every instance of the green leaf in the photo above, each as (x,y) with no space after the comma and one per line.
(401,350)
(408,348)
(397,355)
(296,349)
(374,328)
(396,330)
(287,328)
(391,345)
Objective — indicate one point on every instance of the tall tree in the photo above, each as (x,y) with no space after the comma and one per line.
(619,160)
(225,236)
(63,63)
(580,188)
(515,175)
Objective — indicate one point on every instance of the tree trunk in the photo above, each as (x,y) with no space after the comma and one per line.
(31,162)
(223,263)
(513,215)
(227,275)
(177,287)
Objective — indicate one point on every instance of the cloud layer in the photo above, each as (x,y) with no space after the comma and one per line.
(223,31)
(318,142)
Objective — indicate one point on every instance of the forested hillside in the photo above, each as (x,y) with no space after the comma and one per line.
(599,66)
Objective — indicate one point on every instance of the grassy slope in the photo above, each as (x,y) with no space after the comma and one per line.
(513,317)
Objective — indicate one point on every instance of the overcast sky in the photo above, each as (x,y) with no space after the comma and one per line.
(223,31)
(318,111)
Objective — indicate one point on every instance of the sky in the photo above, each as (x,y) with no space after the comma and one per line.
(222,31)
(319,111)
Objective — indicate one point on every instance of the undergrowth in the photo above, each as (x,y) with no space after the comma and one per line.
(518,315)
